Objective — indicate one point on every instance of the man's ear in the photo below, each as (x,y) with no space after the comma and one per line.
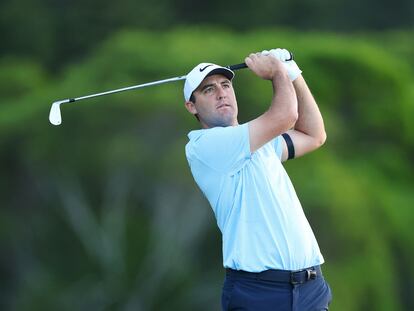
(189,105)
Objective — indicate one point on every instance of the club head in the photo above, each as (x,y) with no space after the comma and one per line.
(55,116)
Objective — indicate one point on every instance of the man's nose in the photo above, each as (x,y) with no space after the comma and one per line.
(221,92)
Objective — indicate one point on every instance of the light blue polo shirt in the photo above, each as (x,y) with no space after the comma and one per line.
(256,207)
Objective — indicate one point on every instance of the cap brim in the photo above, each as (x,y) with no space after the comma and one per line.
(223,71)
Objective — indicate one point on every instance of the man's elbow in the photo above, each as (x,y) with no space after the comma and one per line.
(321,139)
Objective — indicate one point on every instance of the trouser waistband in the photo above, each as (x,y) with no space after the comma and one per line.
(285,276)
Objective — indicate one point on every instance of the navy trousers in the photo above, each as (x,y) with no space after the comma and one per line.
(244,293)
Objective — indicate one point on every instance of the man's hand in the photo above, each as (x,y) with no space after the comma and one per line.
(265,66)
(285,57)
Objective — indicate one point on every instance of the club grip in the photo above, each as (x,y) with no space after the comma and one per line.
(243,65)
(237,66)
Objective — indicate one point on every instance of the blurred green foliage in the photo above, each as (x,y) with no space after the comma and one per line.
(101,213)
(57,33)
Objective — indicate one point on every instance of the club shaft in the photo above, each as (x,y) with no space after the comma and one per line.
(71,100)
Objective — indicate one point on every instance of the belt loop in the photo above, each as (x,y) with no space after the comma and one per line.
(293,281)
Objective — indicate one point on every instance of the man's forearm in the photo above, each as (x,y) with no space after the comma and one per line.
(310,121)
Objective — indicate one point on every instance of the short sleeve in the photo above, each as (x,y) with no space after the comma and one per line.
(224,149)
(278,145)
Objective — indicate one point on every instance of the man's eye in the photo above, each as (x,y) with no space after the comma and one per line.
(208,90)
(226,85)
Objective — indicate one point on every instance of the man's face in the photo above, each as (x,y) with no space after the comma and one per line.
(215,102)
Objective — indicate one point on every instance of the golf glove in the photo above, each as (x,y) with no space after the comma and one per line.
(284,56)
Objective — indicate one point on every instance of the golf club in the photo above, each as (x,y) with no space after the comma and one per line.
(55,116)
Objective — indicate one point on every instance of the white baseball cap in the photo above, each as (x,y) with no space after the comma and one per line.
(199,73)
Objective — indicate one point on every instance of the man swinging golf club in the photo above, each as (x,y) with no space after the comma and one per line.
(270,253)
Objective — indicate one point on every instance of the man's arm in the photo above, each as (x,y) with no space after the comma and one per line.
(308,132)
(283,111)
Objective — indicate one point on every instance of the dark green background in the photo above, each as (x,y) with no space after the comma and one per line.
(101,213)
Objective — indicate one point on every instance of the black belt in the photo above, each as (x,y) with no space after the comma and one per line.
(285,276)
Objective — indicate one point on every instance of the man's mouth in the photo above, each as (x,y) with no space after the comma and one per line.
(222,106)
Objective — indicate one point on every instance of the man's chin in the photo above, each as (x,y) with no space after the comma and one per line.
(224,122)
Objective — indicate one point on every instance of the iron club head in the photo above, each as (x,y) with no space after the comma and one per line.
(55,116)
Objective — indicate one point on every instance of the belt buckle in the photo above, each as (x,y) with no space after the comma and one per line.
(310,274)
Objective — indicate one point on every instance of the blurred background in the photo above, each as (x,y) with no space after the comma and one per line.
(102,213)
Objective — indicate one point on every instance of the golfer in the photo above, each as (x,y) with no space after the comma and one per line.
(270,253)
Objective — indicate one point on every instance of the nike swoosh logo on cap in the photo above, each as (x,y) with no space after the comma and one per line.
(202,69)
